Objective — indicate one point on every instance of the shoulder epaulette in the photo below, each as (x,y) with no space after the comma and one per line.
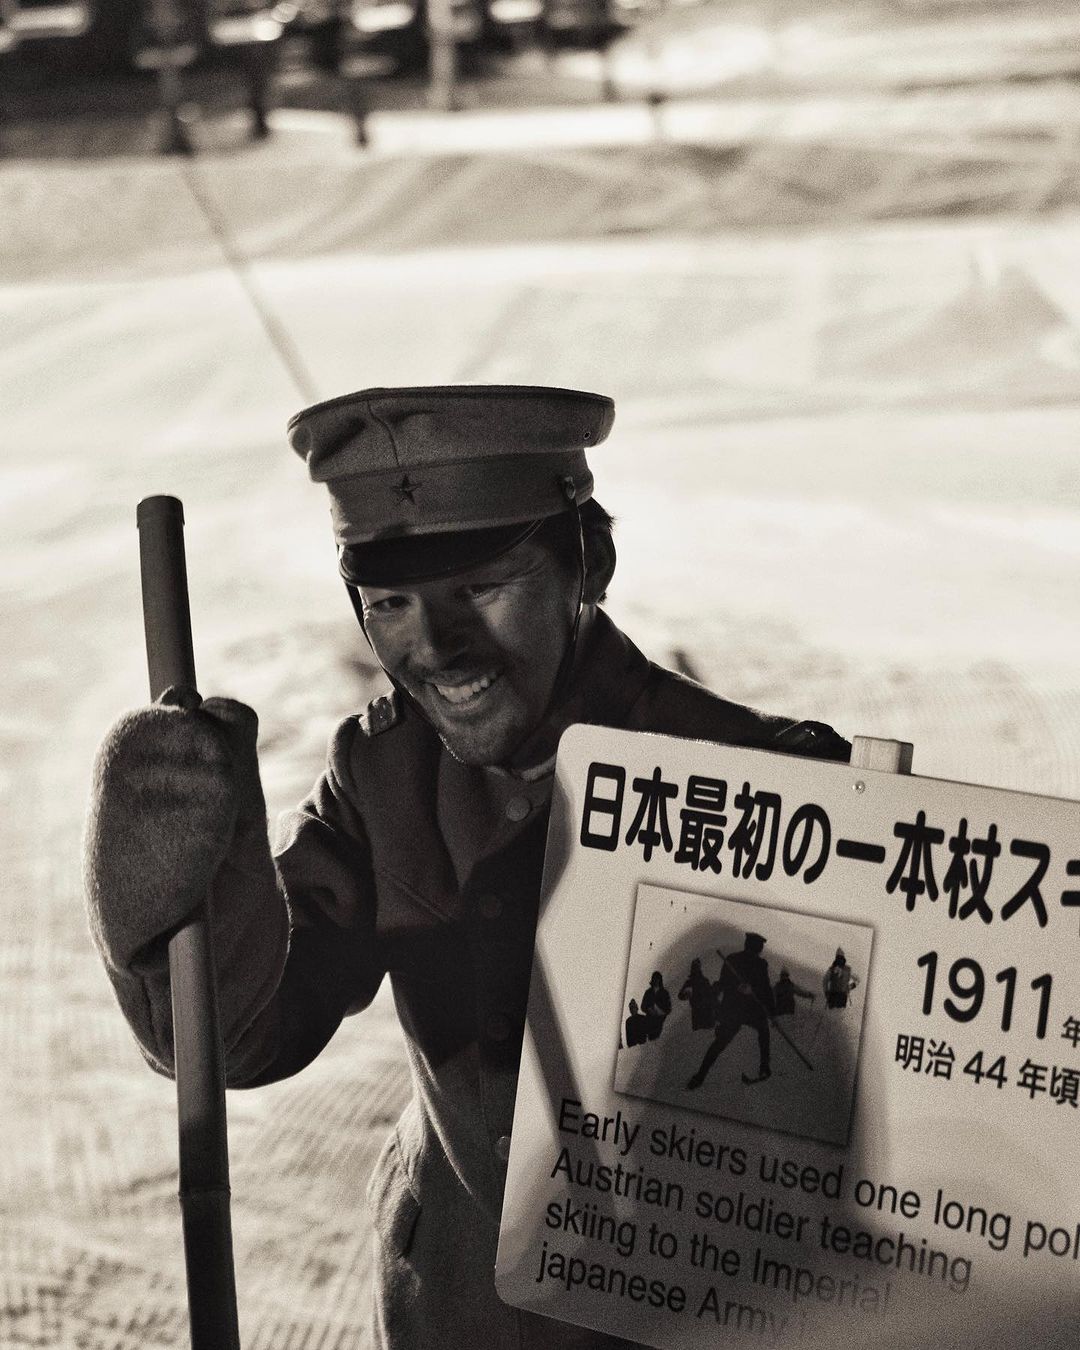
(381,714)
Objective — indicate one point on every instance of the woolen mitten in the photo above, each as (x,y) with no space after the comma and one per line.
(177,817)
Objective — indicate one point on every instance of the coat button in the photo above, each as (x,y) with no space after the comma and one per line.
(502,1146)
(490,906)
(497,1027)
(517,808)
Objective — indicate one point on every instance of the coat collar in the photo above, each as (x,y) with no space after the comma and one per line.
(609,678)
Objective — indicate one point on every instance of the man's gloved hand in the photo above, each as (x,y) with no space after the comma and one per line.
(177,816)
(163,808)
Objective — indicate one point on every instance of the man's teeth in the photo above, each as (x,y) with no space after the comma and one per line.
(461,693)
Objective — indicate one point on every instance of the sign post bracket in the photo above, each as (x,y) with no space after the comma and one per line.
(869,752)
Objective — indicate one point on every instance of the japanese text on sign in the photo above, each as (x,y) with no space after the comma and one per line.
(761,832)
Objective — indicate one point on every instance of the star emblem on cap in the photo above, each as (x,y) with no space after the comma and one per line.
(406,489)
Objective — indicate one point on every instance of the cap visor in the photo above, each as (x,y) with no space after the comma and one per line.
(427,557)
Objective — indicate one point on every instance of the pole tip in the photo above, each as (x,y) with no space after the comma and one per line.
(159,508)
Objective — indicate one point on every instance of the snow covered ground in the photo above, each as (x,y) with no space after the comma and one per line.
(845,466)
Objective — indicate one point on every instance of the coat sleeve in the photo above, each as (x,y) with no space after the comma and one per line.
(177,817)
(334,966)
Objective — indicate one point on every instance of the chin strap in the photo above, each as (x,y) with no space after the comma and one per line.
(561,684)
(566,665)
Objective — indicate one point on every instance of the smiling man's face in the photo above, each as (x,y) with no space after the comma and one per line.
(479,651)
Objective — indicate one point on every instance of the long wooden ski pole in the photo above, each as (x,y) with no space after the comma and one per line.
(200,1064)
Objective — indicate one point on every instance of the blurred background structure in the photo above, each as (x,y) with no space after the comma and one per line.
(823,253)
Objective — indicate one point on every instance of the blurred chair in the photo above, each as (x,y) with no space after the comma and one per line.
(252,37)
(169,43)
(36,20)
(177,33)
(410,36)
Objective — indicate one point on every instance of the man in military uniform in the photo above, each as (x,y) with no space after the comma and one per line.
(744,999)
(476,563)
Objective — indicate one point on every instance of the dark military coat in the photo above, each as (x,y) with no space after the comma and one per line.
(744,990)
(407,863)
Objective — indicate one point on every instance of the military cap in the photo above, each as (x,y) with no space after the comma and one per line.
(435,478)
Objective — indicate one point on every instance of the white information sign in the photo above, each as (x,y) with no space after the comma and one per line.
(803,1050)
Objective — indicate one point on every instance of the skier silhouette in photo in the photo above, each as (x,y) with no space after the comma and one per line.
(745,999)
(785,992)
(637,1025)
(656,1004)
(698,989)
(839,981)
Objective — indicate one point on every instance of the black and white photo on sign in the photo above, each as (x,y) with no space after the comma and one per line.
(744,1011)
